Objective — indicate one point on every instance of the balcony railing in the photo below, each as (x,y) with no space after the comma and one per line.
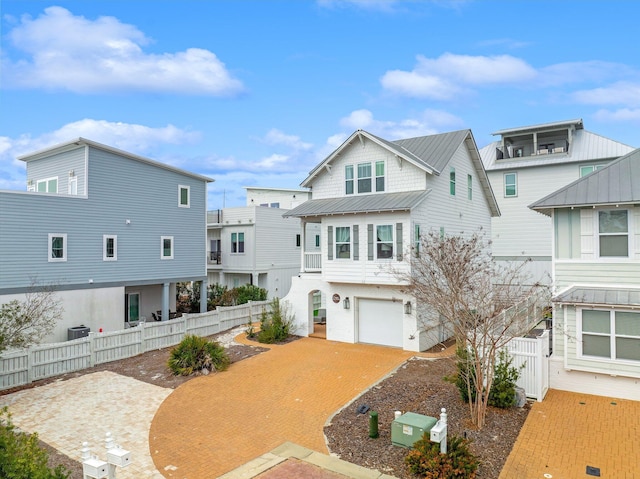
(214,257)
(214,217)
(312,262)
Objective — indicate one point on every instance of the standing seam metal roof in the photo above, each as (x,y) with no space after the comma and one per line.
(599,296)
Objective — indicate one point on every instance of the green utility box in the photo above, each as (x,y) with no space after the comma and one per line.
(409,428)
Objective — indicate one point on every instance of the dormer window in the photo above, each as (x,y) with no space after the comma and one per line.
(364,178)
(364,183)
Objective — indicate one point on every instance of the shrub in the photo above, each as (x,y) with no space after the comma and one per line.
(20,455)
(196,354)
(275,326)
(425,460)
(250,292)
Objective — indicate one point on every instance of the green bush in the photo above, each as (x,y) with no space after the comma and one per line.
(196,354)
(20,455)
(250,292)
(275,325)
(425,460)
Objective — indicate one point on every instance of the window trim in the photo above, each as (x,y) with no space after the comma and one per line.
(377,243)
(162,240)
(188,190)
(452,181)
(611,335)
(337,244)
(64,247)
(237,243)
(46,182)
(105,239)
(515,185)
(629,233)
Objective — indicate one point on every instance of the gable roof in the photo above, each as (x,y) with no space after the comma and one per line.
(375,203)
(72,144)
(616,183)
(430,153)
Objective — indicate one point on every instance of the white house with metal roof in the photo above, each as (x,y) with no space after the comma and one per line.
(528,162)
(111,231)
(596,275)
(373,199)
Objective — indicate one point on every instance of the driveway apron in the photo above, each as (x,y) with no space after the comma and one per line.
(213,424)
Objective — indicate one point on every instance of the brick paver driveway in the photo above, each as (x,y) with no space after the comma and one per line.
(215,423)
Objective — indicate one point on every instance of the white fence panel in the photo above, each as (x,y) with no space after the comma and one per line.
(15,369)
(54,359)
(164,333)
(116,345)
(532,355)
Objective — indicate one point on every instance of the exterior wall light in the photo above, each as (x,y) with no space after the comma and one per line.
(346,303)
(407,307)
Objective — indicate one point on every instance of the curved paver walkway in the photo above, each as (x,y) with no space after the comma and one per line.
(213,424)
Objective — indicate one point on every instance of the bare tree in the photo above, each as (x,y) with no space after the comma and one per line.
(24,323)
(484,304)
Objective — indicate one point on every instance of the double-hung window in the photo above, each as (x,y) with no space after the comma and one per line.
(364,178)
(57,247)
(367,177)
(184,196)
(109,248)
(48,185)
(470,187)
(237,243)
(166,247)
(379,175)
(348,179)
(510,185)
(452,181)
(610,334)
(613,232)
(384,241)
(343,242)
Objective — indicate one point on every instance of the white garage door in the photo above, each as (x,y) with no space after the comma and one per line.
(380,322)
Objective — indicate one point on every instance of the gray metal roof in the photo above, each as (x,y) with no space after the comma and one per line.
(616,183)
(599,296)
(585,146)
(373,203)
(577,123)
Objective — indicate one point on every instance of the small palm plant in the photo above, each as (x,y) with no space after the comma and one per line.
(196,354)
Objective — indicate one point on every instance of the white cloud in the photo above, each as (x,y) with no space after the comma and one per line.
(86,56)
(276,137)
(624,114)
(620,93)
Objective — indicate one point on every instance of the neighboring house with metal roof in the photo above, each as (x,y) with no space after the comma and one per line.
(596,274)
(113,232)
(373,199)
(528,162)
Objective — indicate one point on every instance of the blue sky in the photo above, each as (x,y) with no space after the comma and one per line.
(256,93)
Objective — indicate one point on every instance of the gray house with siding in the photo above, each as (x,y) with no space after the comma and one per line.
(596,276)
(111,231)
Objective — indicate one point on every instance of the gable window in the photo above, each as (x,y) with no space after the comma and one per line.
(237,243)
(364,178)
(166,247)
(384,241)
(452,181)
(184,196)
(343,242)
(48,185)
(297,241)
(613,232)
(109,248)
(510,185)
(348,179)
(57,247)
(610,334)
(470,187)
(585,170)
(73,185)
(379,175)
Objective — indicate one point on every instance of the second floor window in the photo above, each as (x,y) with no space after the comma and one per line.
(585,170)
(110,248)
(613,232)
(452,181)
(368,175)
(237,242)
(348,179)
(343,242)
(184,196)
(384,241)
(166,247)
(510,185)
(57,247)
(379,175)
(50,185)
(364,178)
(298,241)
(470,187)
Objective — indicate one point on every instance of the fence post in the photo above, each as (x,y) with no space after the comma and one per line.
(29,365)
(539,366)
(92,349)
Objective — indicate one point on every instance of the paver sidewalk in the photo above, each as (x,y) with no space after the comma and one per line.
(213,424)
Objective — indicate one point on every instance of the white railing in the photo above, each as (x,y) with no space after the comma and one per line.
(533,353)
(46,360)
(312,262)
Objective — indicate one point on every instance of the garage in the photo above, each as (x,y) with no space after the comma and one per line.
(380,322)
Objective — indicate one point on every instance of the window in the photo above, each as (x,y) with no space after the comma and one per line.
(452,181)
(343,242)
(275,205)
(379,175)
(585,170)
(416,239)
(470,187)
(166,247)
(442,232)
(298,241)
(510,185)
(613,232)
(317,241)
(348,179)
(49,185)
(109,248)
(364,178)
(57,247)
(611,334)
(384,241)
(73,185)
(31,186)
(237,243)
(184,196)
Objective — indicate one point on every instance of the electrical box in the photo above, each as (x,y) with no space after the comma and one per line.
(409,428)
(118,457)
(438,432)
(94,468)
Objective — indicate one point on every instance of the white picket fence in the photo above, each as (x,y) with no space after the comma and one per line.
(46,360)
(533,353)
